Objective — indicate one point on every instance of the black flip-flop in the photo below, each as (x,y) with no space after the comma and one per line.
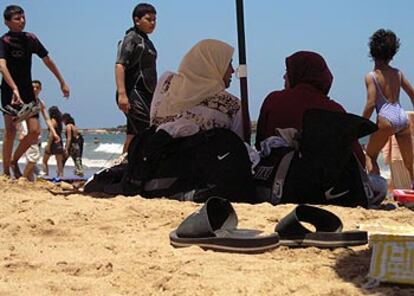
(214,226)
(27,110)
(328,230)
(9,110)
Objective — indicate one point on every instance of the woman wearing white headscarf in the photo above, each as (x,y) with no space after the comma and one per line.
(195,98)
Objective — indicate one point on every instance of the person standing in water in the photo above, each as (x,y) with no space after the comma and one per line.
(33,153)
(53,147)
(74,143)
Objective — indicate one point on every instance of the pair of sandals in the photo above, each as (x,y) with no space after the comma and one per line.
(214,226)
(26,111)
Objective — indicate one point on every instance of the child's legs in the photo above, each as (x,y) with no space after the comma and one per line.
(75,154)
(9,135)
(28,171)
(406,148)
(33,127)
(32,157)
(77,160)
(59,163)
(377,141)
(47,153)
(81,143)
(46,157)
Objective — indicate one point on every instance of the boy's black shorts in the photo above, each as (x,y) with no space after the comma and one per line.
(26,95)
(138,117)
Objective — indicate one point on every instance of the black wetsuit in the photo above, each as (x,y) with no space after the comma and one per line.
(17,50)
(138,55)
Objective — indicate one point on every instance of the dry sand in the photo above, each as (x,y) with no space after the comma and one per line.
(78,245)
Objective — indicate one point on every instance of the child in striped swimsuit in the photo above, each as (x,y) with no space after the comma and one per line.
(383,90)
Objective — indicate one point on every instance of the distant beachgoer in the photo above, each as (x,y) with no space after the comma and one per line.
(383,90)
(135,71)
(16,50)
(33,153)
(307,84)
(74,143)
(195,98)
(53,147)
(96,140)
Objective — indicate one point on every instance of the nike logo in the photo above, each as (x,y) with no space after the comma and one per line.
(221,157)
(329,195)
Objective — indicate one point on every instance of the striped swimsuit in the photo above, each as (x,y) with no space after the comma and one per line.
(392,112)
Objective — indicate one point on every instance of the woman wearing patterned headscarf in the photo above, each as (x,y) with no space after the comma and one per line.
(195,98)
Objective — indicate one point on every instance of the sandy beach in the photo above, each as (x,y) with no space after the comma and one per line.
(78,245)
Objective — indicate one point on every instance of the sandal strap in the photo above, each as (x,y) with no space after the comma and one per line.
(323,220)
(216,214)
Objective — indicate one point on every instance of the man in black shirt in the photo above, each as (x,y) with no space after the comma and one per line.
(16,50)
(135,71)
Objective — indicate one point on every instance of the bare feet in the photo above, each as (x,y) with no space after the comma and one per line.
(6,172)
(16,170)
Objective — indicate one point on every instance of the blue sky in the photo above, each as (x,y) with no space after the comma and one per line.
(82,36)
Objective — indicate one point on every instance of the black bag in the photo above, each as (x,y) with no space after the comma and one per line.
(103,180)
(212,162)
(324,170)
(112,180)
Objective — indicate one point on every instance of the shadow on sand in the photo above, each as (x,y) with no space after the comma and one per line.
(353,267)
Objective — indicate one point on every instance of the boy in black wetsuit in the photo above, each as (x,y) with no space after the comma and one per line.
(135,71)
(16,50)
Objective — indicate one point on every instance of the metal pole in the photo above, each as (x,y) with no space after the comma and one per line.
(242,71)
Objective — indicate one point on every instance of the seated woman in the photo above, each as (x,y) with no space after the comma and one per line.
(307,84)
(323,169)
(195,98)
(198,121)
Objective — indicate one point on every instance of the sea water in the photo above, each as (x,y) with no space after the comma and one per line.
(101,149)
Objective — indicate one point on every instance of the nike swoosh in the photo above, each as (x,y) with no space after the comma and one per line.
(329,195)
(221,157)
